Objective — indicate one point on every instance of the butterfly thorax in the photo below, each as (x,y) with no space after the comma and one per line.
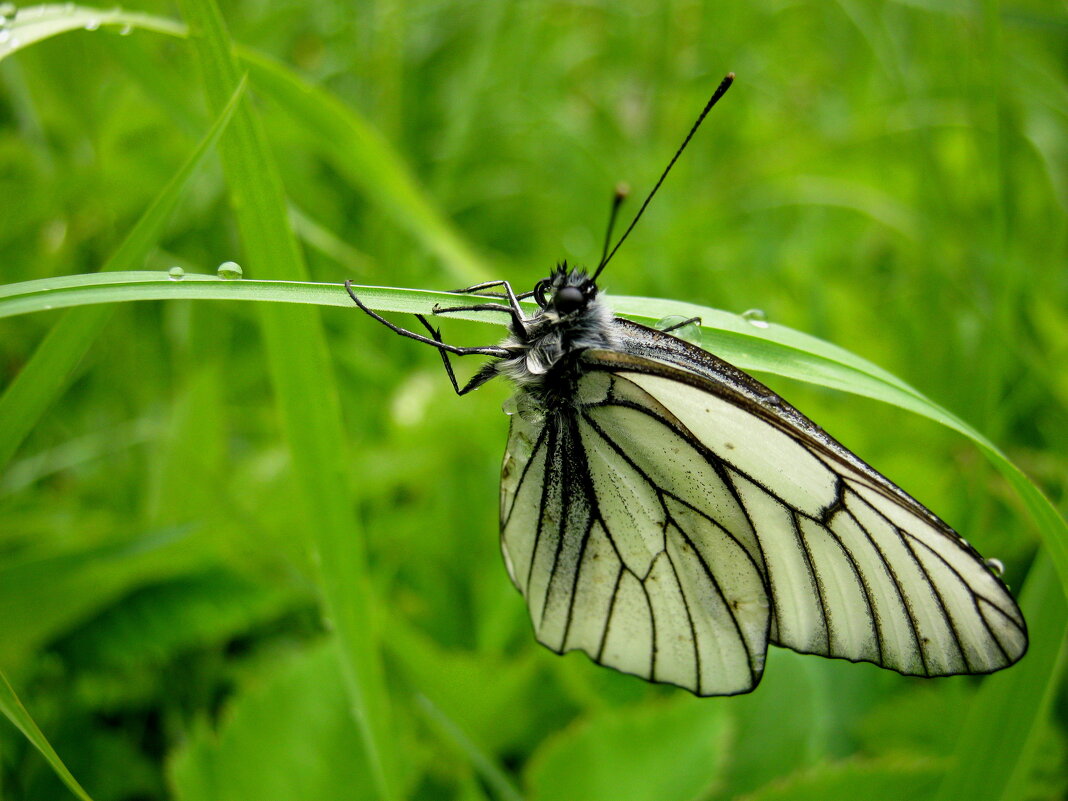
(573,317)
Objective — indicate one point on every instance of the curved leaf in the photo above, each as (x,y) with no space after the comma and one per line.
(13,709)
(773,349)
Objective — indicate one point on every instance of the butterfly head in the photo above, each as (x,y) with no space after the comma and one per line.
(566,292)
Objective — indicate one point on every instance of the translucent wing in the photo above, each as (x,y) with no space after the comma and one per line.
(627,557)
(679,516)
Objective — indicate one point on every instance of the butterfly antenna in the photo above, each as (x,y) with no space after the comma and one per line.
(721,90)
(618,196)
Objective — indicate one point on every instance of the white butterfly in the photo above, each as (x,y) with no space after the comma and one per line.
(670,516)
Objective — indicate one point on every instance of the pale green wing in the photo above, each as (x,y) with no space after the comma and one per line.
(857,569)
(626,557)
(669,525)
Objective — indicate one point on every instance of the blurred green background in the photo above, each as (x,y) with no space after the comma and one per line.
(890,176)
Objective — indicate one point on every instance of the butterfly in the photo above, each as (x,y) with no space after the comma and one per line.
(670,516)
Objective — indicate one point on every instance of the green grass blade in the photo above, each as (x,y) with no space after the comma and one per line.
(46,294)
(49,370)
(306,393)
(493,775)
(773,349)
(14,711)
(1013,704)
(34,24)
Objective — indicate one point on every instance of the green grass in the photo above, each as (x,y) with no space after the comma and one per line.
(248,549)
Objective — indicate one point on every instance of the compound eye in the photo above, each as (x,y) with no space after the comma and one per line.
(569,299)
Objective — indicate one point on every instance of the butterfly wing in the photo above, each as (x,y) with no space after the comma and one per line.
(679,516)
(857,568)
(613,561)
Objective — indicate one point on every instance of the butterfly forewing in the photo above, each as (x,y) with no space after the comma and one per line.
(854,567)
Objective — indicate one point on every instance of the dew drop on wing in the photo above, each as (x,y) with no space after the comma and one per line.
(995,566)
(528,409)
(690,332)
(522,405)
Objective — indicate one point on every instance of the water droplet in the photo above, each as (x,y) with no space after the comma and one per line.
(773,399)
(756,317)
(92,24)
(176,273)
(523,405)
(8,12)
(229,270)
(995,566)
(685,328)
(529,409)
(668,322)
(126,29)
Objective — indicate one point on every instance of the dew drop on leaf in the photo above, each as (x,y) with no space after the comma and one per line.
(229,270)
(756,317)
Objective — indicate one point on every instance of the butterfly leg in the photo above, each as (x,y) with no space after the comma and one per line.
(484,374)
(513,308)
(677,326)
(477,289)
(517,316)
(489,350)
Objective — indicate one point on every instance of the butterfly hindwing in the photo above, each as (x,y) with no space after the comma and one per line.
(613,563)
